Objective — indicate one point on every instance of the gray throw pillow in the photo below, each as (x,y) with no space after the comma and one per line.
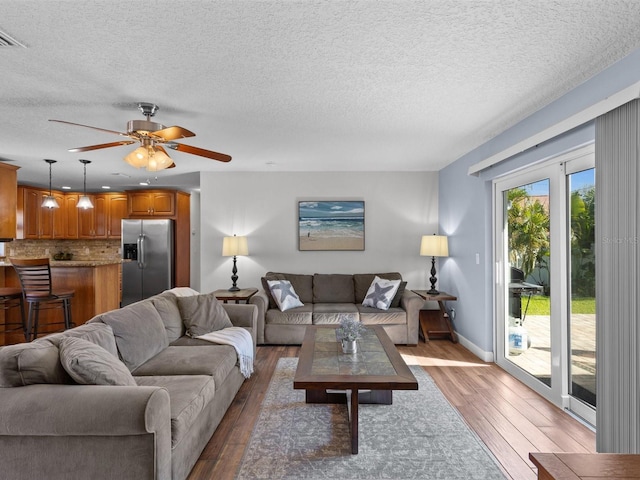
(31,363)
(139,332)
(203,314)
(90,364)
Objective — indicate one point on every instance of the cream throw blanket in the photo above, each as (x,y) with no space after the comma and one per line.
(238,338)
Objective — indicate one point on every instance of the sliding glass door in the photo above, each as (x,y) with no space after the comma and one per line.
(545,279)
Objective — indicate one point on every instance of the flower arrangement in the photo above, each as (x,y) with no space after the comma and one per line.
(350,329)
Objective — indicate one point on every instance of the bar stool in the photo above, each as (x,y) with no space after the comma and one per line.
(11,297)
(35,278)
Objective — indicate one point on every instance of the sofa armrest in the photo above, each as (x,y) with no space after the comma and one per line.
(242,315)
(412,303)
(48,409)
(70,422)
(260,300)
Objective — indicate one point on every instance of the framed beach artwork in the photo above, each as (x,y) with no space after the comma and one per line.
(330,225)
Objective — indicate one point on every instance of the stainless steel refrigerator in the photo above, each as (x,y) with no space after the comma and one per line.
(147,248)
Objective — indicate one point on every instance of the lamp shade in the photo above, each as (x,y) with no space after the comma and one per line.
(434,246)
(152,158)
(234,246)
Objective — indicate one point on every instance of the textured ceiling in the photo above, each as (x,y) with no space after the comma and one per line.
(290,85)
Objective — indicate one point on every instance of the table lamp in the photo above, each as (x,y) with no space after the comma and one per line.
(234,247)
(434,246)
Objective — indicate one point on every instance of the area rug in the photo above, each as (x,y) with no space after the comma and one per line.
(420,436)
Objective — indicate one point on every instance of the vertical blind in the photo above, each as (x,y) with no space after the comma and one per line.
(617,157)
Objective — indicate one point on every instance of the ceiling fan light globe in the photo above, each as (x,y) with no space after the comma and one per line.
(158,160)
(138,158)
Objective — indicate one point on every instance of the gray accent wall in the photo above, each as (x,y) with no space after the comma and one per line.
(400,207)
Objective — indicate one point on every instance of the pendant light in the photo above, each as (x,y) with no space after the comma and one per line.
(49,201)
(84,201)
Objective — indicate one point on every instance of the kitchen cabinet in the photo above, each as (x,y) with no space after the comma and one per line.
(172,204)
(152,203)
(68,222)
(33,221)
(104,219)
(118,209)
(71,215)
(8,200)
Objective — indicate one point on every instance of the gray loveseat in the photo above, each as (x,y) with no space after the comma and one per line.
(328,298)
(52,427)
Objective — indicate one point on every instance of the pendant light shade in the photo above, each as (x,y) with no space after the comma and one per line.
(49,201)
(84,201)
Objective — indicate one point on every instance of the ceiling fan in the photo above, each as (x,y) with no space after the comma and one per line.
(152,137)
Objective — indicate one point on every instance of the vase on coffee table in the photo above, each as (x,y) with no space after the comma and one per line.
(349,346)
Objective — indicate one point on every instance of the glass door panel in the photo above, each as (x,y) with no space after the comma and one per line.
(582,307)
(528,327)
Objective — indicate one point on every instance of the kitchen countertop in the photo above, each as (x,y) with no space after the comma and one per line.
(74,263)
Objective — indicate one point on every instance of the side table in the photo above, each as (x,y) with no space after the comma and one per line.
(242,295)
(436,322)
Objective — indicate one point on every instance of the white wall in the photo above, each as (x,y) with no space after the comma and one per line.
(399,209)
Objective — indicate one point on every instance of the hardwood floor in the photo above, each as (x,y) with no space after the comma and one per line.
(510,418)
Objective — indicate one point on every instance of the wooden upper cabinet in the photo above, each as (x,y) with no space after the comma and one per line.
(71,214)
(33,221)
(8,200)
(152,203)
(118,208)
(59,217)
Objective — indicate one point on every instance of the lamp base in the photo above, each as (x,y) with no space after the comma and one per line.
(234,289)
(433,291)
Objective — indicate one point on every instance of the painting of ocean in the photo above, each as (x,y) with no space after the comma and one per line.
(331,225)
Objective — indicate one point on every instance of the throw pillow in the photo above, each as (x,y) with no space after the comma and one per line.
(395,303)
(381,293)
(284,294)
(90,364)
(203,314)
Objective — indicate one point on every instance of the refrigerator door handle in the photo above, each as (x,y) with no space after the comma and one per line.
(141,250)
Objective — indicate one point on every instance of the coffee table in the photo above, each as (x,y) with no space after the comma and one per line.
(368,376)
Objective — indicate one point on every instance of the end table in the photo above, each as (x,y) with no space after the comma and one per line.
(242,295)
(436,322)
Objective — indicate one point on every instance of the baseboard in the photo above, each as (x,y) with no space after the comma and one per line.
(477,351)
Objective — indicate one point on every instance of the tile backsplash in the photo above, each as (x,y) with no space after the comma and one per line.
(81,249)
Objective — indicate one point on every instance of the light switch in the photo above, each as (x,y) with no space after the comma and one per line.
(477,259)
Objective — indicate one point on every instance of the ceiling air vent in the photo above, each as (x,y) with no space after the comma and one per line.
(7,40)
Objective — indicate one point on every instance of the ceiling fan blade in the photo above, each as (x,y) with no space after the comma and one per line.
(89,126)
(221,157)
(172,133)
(102,145)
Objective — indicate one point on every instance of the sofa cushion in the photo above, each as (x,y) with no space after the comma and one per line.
(203,314)
(189,395)
(362,282)
(380,293)
(375,316)
(31,363)
(303,284)
(139,332)
(90,364)
(214,360)
(166,304)
(284,294)
(94,331)
(334,313)
(295,316)
(333,288)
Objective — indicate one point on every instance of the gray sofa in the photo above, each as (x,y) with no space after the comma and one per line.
(152,428)
(328,298)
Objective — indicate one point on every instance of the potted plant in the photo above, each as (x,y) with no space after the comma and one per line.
(349,331)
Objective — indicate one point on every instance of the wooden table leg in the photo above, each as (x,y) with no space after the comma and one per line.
(353,421)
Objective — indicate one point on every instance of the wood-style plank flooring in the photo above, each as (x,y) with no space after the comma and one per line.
(509,417)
